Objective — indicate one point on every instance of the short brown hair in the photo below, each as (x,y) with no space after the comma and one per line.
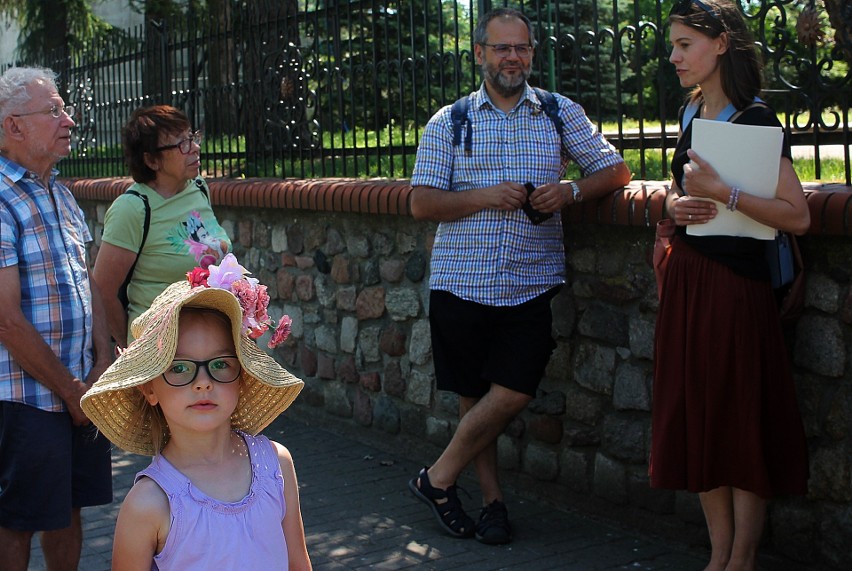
(141,134)
(740,67)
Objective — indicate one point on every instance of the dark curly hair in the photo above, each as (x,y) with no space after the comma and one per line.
(141,134)
(740,68)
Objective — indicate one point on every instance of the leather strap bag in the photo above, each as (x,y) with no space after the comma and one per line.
(662,250)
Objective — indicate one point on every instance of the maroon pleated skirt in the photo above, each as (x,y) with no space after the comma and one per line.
(724,404)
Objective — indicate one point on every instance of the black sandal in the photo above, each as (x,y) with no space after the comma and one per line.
(449,512)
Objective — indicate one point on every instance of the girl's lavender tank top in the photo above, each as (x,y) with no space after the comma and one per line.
(207,534)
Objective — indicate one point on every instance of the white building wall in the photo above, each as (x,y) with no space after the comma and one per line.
(115,12)
(8,38)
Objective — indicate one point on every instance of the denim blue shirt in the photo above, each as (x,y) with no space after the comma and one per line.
(496,257)
(44,234)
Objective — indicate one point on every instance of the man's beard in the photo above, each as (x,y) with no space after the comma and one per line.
(504,85)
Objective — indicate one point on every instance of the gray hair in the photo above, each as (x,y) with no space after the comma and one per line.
(13,89)
(481,37)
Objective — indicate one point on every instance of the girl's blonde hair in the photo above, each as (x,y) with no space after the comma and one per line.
(147,416)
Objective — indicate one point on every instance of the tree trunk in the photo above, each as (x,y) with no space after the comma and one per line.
(156,74)
(220,100)
(840,16)
(272,109)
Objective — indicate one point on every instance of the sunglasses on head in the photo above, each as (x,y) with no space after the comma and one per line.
(681,8)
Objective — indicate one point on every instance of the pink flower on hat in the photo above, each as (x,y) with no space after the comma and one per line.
(198,277)
(226,273)
(281,332)
(252,295)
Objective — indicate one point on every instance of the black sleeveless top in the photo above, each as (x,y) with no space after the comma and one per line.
(744,256)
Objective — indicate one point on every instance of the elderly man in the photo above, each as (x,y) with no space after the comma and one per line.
(53,336)
(489,172)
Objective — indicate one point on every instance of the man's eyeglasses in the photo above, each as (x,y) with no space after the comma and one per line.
(56,112)
(682,7)
(224,369)
(504,50)
(184,145)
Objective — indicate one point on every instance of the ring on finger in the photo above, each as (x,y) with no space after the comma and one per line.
(689,216)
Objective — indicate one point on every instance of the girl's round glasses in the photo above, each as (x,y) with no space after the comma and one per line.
(181,372)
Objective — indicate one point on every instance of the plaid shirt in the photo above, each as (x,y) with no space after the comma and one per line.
(46,241)
(496,257)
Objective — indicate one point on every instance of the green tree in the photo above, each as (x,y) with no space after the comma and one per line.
(52,32)
(384,63)
(583,54)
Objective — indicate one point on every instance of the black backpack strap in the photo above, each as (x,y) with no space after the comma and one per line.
(122,292)
(458,117)
(202,186)
(551,109)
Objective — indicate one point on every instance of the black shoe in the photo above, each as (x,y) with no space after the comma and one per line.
(445,505)
(493,526)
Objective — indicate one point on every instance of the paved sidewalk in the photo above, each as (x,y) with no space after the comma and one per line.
(359,514)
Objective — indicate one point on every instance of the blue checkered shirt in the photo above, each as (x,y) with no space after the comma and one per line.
(496,257)
(46,240)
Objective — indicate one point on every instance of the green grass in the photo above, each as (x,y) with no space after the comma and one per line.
(831,170)
(397,166)
(392,134)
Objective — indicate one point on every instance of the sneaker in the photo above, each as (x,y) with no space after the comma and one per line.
(493,526)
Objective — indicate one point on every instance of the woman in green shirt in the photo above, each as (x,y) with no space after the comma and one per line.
(163,156)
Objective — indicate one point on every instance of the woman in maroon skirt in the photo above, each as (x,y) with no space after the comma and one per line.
(725,419)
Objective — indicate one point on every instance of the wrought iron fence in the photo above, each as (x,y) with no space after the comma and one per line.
(336,88)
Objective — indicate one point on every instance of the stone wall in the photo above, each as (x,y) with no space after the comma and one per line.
(351,268)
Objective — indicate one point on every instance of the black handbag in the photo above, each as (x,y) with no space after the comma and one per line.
(787,275)
(779,256)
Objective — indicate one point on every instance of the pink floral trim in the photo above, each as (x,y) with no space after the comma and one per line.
(252,295)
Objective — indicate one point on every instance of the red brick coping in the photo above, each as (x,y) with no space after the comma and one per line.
(638,204)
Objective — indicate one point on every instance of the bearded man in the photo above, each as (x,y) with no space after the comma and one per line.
(498,257)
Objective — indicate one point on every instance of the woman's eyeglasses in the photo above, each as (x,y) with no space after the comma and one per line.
(181,372)
(184,145)
(56,112)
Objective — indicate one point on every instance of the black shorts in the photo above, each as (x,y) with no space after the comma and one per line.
(49,466)
(475,345)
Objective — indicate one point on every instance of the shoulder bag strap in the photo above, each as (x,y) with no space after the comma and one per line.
(146,226)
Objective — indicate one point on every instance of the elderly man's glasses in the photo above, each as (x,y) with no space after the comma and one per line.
(504,50)
(56,112)
(181,372)
(184,145)
(683,6)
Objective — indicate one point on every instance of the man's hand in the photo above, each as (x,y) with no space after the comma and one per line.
(551,197)
(71,397)
(96,373)
(429,203)
(503,196)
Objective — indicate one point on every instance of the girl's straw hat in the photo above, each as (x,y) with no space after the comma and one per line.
(266,389)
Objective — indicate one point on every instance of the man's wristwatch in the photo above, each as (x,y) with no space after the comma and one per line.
(575,191)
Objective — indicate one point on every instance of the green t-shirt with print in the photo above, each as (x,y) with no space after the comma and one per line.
(183,234)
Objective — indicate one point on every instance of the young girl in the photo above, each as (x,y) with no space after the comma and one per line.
(193,390)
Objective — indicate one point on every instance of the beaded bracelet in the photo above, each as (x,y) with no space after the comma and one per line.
(733,198)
